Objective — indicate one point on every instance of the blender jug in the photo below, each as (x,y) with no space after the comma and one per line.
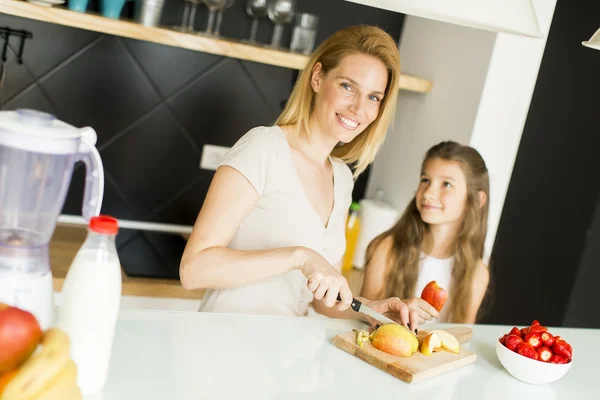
(37,157)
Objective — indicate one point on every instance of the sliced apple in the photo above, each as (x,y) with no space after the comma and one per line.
(430,343)
(449,342)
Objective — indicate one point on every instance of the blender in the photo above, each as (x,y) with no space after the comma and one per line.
(37,158)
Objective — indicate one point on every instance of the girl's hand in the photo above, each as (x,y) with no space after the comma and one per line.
(395,309)
(425,311)
(324,281)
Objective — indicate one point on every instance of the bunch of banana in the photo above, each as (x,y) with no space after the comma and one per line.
(49,374)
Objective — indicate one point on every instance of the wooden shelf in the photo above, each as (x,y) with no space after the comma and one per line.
(171,37)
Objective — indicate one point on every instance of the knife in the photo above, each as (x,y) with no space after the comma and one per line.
(358,306)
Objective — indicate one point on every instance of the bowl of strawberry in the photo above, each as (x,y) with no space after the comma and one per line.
(533,355)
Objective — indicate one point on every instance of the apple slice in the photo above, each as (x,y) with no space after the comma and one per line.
(449,342)
(430,344)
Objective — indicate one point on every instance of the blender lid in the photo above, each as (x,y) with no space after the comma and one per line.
(37,131)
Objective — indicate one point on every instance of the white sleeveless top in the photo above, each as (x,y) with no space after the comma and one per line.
(282,217)
(439,270)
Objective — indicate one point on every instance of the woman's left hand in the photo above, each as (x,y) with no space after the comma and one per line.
(395,309)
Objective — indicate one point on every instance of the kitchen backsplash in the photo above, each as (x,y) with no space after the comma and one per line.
(154,107)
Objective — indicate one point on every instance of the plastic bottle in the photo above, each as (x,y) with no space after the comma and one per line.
(352,231)
(91,302)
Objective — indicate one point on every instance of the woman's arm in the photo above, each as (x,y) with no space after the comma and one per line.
(207,262)
(481,279)
(377,271)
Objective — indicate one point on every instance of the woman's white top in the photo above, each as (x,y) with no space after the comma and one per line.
(282,217)
(439,270)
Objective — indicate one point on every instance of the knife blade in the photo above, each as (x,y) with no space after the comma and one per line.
(358,306)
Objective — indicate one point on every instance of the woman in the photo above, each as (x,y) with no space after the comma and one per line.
(270,235)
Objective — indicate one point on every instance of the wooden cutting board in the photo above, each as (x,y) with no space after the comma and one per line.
(416,367)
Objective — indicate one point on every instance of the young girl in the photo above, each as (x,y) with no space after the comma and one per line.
(270,235)
(439,237)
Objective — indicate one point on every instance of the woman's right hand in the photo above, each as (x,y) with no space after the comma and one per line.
(324,281)
(425,310)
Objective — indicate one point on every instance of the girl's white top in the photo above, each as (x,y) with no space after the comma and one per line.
(439,270)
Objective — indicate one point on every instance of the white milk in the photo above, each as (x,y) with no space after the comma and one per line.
(91,301)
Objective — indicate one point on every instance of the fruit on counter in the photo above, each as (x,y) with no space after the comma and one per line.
(361,336)
(449,341)
(562,348)
(434,295)
(547,339)
(515,331)
(534,339)
(395,339)
(512,342)
(430,344)
(47,374)
(537,339)
(527,350)
(6,378)
(556,359)
(20,334)
(503,338)
(544,353)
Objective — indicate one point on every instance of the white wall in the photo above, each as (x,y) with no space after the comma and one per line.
(483,83)
(505,101)
(456,59)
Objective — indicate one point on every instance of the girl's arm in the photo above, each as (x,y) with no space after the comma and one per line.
(481,279)
(377,271)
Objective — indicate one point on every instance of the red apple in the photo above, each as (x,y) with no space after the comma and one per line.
(434,295)
(20,333)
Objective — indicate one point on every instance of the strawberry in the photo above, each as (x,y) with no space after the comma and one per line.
(556,359)
(545,354)
(547,339)
(524,331)
(535,323)
(515,331)
(538,328)
(512,342)
(562,348)
(534,339)
(527,350)
(503,338)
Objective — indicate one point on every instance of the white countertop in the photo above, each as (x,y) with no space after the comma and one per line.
(167,355)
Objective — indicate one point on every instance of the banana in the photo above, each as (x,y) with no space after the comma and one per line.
(64,385)
(41,369)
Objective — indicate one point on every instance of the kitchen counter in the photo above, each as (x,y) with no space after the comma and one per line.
(179,355)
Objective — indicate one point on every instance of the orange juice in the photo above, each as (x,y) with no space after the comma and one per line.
(352,230)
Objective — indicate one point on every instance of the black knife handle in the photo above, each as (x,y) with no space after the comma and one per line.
(355,303)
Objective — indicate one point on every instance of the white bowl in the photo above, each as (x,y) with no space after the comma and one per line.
(528,370)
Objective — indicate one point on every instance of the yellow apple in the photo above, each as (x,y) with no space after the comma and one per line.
(449,342)
(395,339)
(430,343)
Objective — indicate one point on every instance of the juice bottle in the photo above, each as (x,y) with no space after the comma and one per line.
(352,230)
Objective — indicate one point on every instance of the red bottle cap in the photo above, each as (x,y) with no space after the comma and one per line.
(104,224)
